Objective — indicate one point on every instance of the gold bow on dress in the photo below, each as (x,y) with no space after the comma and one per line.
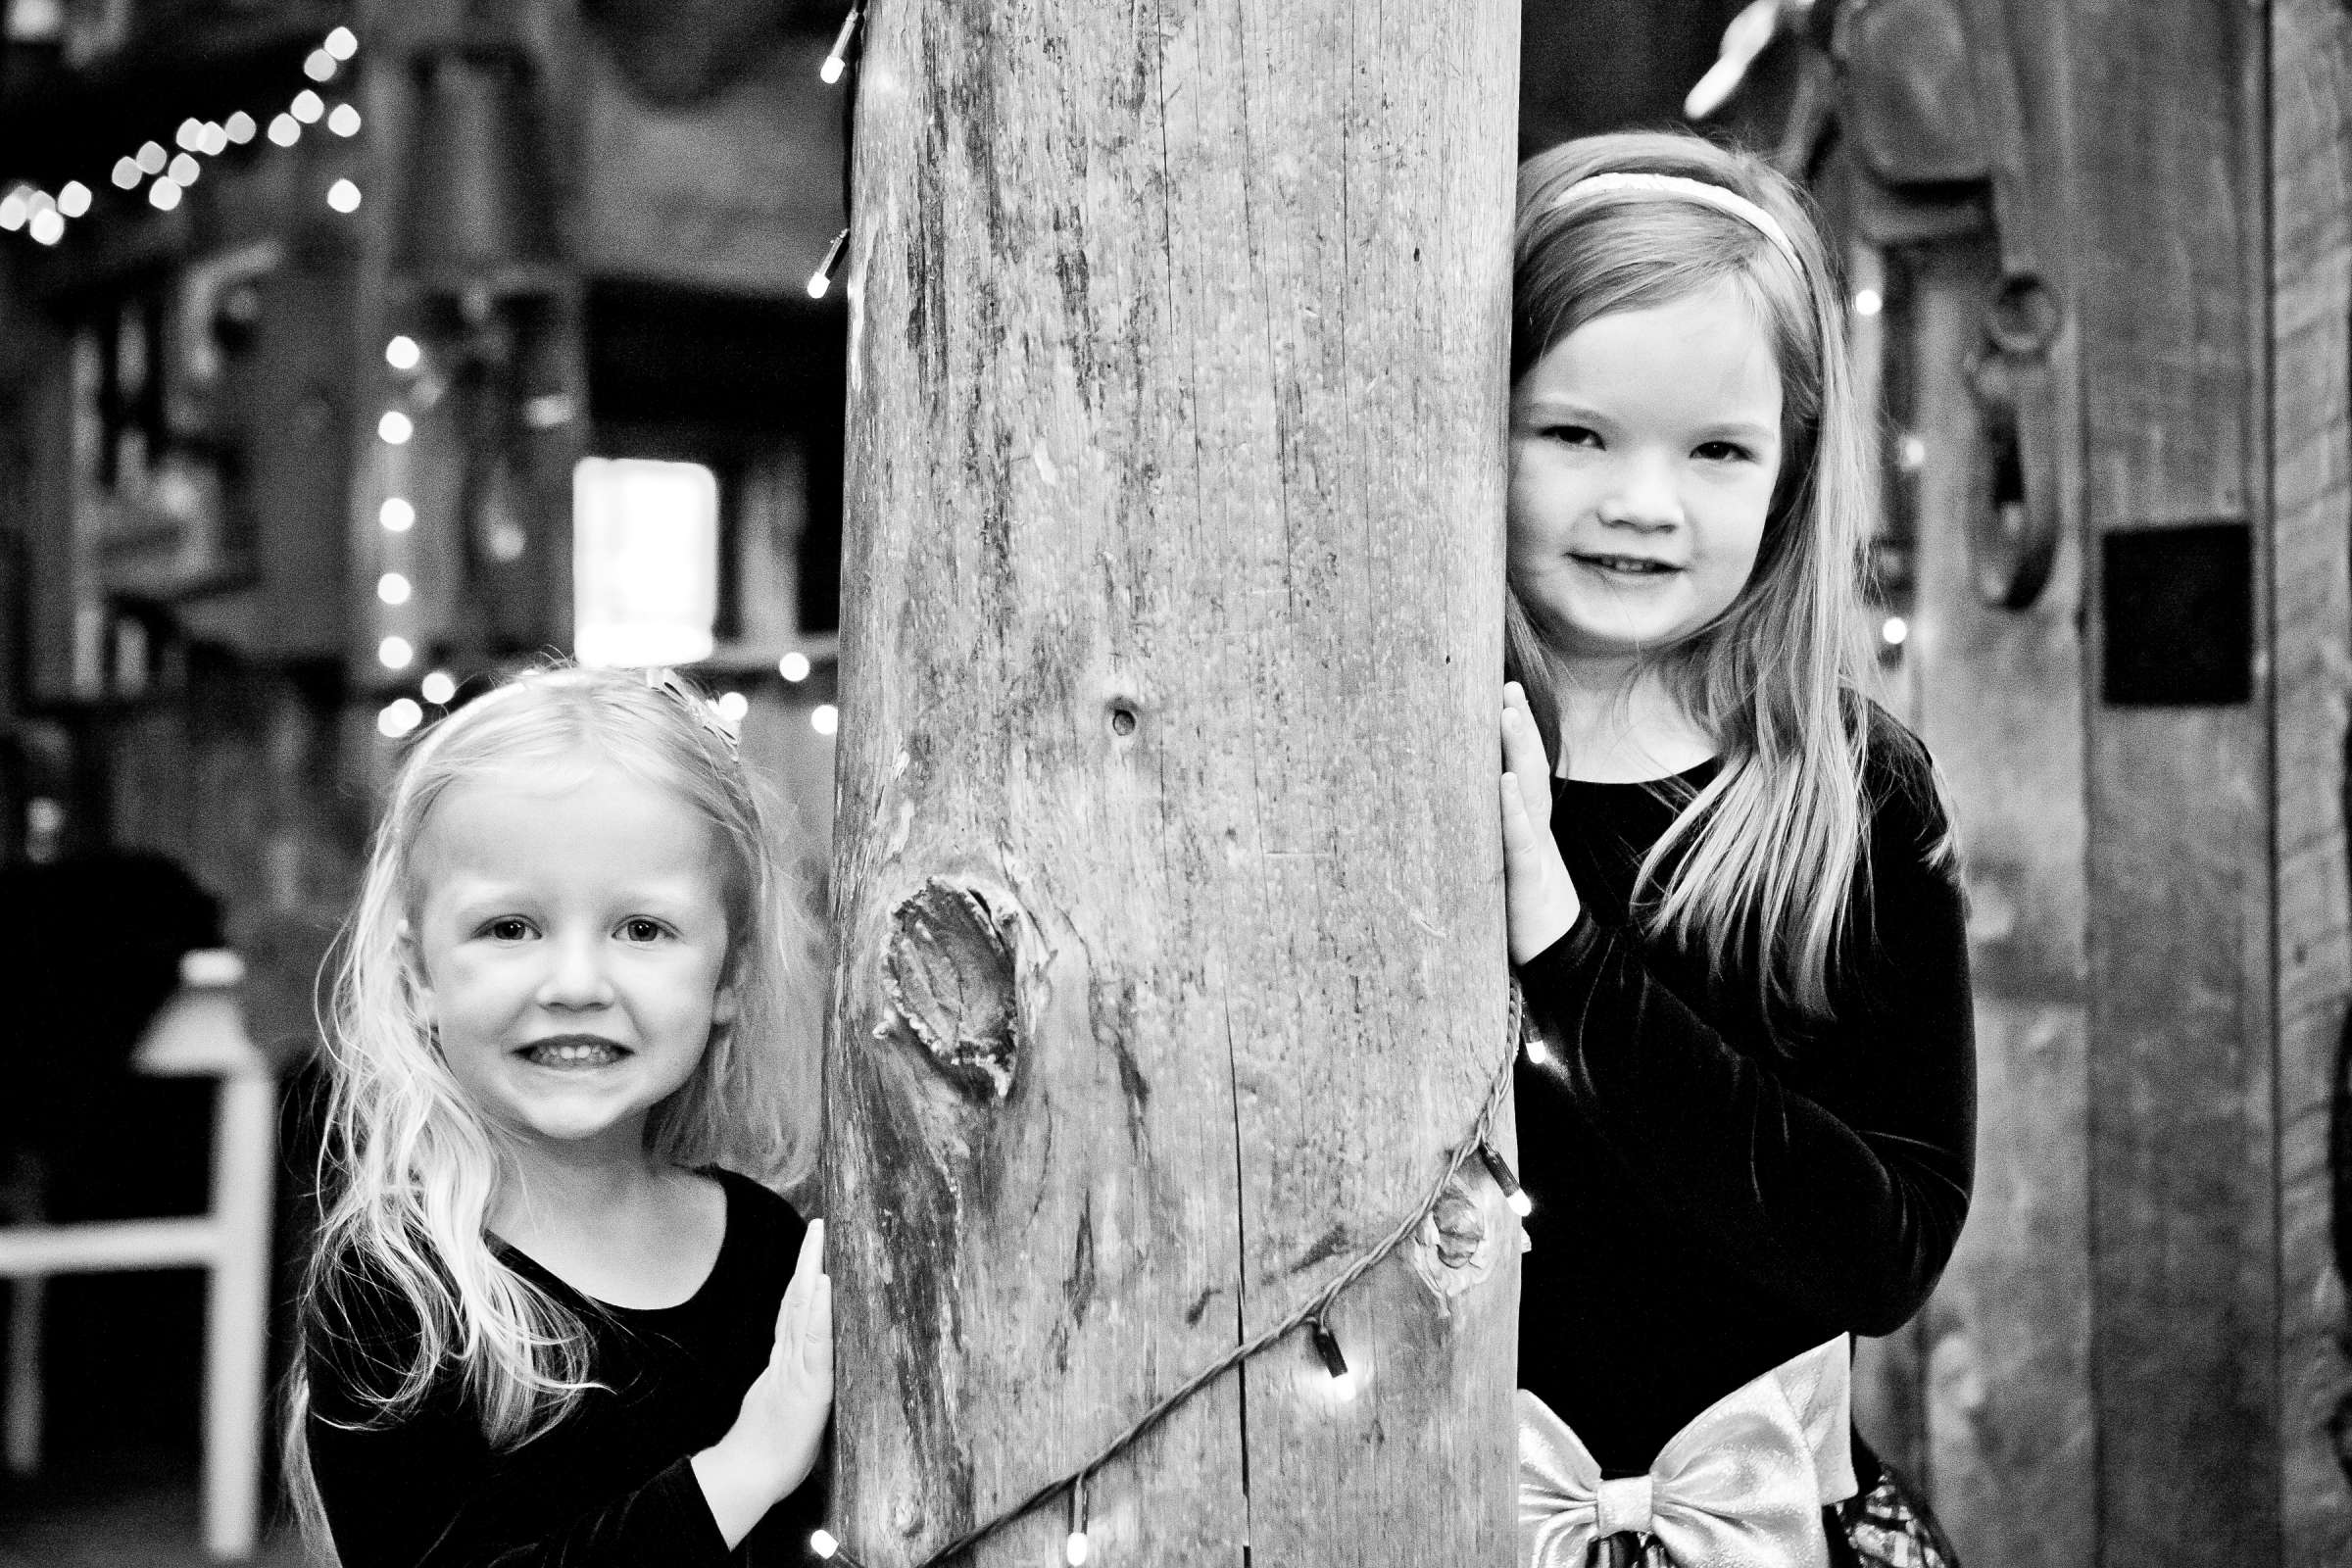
(1741,1486)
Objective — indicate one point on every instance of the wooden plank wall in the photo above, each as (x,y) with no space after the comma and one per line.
(2166,175)
(2009,1441)
(2310,436)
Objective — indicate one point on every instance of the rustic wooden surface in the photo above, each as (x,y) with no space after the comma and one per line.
(2184,1211)
(2311,414)
(2000,698)
(1168,890)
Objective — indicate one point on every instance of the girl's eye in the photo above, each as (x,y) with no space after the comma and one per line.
(1575,435)
(1723,452)
(641,929)
(509,929)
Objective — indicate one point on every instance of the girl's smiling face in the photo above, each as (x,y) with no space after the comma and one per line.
(1644,446)
(569,939)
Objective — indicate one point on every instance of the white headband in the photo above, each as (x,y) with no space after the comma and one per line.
(1696,190)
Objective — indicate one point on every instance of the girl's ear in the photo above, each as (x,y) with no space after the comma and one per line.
(727,1001)
(411,964)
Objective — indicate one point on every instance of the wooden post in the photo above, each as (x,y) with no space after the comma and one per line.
(1167,884)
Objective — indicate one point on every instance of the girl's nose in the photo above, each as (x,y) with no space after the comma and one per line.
(1644,495)
(576,974)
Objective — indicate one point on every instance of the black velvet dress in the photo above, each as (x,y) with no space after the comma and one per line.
(1715,1191)
(610,1486)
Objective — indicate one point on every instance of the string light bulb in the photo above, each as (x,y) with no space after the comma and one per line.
(307,107)
(393,589)
(401,352)
(190,134)
(239,128)
(344,120)
(438,687)
(839,60)
(395,428)
(48,226)
(343,196)
(184,169)
(74,199)
(1326,1346)
(153,158)
(822,278)
(341,44)
(821,1543)
(824,718)
(1894,631)
(15,209)
(286,130)
(1077,1548)
(1507,1179)
(1539,1050)
(395,652)
(214,142)
(319,66)
(126,173)
(164,194)
(397,515)
(794,666)
(399,716)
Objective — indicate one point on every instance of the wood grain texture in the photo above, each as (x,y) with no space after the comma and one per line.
(2183,1215)
(2009,1399)
(2311,434)
(1171,635)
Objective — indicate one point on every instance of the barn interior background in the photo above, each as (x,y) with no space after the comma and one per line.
(351,351)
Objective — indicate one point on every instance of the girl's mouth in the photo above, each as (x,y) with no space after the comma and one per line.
(572,1051)
(1627,565)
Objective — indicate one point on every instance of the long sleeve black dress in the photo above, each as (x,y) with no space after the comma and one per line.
(1714,1195)
(610,1486)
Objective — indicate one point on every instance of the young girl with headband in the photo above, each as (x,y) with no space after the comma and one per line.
(548,1319)
(1746,1107)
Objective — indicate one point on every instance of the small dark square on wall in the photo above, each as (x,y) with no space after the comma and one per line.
(2179,614)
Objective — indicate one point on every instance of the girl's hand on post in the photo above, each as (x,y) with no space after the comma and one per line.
(772,1446)
(1538,899)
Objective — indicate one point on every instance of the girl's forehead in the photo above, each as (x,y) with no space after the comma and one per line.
(572,820)
(1706,353)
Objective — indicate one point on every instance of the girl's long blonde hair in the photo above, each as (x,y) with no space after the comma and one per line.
(1768,851)
(412,1170)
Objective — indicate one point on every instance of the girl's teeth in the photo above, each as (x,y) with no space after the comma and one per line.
(573,1054)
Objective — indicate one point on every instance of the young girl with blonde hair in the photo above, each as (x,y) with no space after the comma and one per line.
(1747,1108)
(548,1319)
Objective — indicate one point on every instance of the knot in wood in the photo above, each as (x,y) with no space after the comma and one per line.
(1455,1246)
(949,972)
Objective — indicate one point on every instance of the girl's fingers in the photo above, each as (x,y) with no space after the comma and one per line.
(807,1271)
(1523,756)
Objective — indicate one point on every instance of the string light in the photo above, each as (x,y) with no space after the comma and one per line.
(401,352)
(1326,1346)
(794,666)
(393,589)
(1076,1549)
(195,137)
(1869,302)
(395,428)
(438,687)
(400,715)
(1507,1179)
(839,60)
(821,1544)
(822,278)
(1537,1052)
(824,718)
(1894,631)
(395,652)
(732,707)
(396,514)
